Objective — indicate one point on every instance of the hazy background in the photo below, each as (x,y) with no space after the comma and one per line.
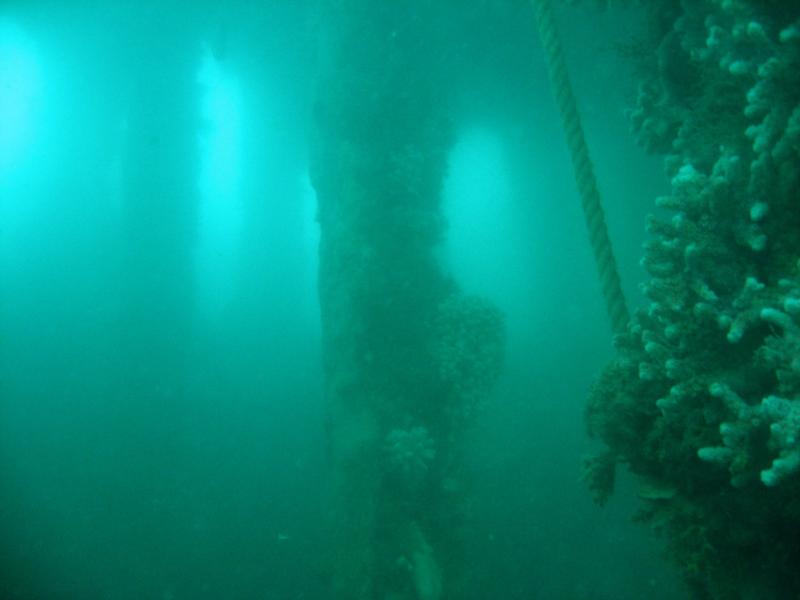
(115,484)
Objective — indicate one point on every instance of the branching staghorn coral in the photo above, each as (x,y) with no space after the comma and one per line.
(704,396)
(779,415)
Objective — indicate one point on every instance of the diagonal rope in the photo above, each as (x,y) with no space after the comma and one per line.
(582,165)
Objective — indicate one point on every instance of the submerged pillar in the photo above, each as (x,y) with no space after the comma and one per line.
(407,357)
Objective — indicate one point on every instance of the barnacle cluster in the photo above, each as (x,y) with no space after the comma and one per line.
(410,453)
(468,349)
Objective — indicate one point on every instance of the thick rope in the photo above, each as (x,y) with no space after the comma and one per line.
(582,165)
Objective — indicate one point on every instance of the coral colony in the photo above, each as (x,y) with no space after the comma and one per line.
(703,401)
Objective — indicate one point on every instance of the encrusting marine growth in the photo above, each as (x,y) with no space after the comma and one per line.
(408,358)
(703,400)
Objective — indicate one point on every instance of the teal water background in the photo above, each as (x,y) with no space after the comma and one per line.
(161,418)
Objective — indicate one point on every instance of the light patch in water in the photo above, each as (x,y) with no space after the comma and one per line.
(220,165)
(478,208)
(20,90)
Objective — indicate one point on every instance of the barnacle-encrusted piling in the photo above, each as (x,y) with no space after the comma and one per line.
(405,355)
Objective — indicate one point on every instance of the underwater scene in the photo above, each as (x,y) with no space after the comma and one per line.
(399,300)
